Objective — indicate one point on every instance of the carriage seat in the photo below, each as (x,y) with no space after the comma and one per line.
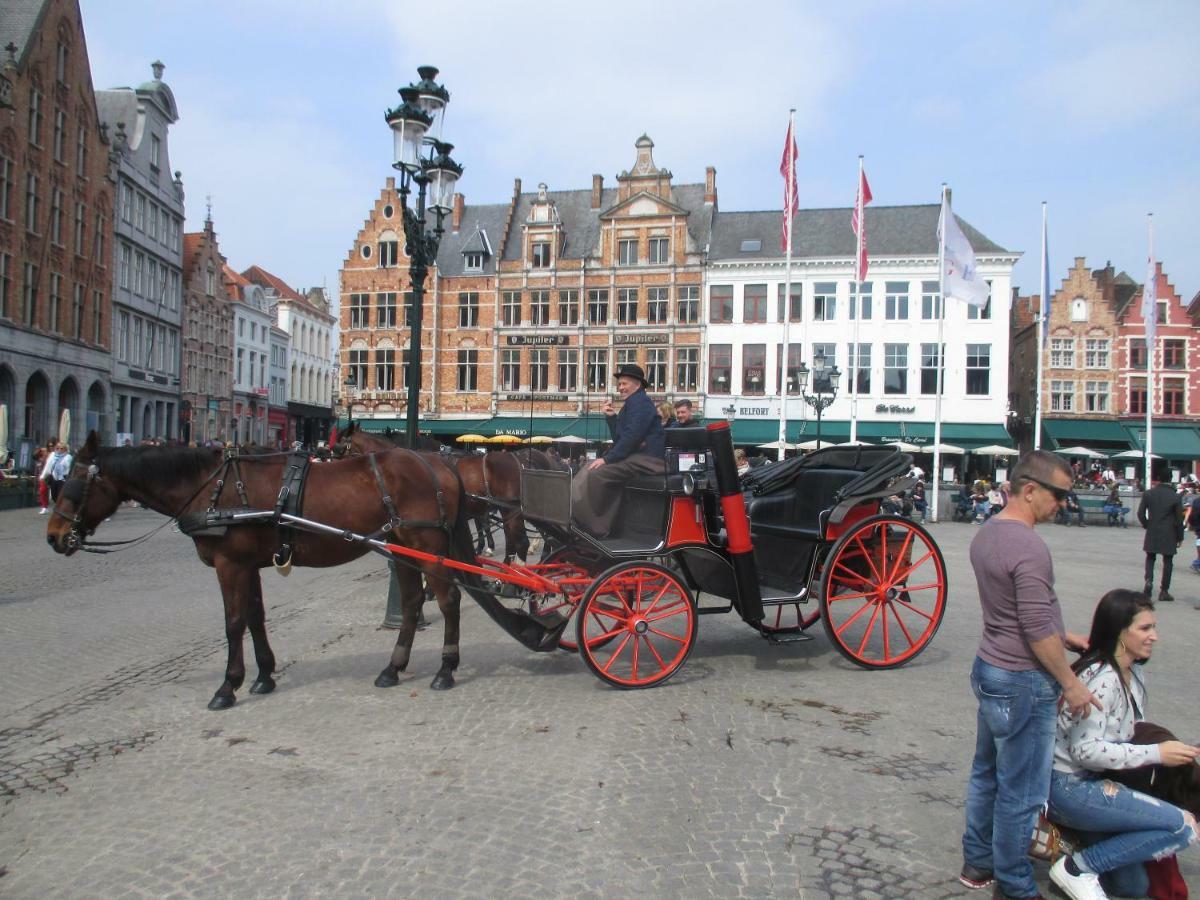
(802,508)
(672,480)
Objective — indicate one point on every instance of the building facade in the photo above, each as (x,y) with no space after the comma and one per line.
(147,259)
(56,204)
(252,323)
(206,407)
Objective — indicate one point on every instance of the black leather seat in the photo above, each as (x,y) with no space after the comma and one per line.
(672,483)
(797,511)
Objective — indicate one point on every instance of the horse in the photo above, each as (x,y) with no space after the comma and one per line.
(350,495)
(490,480)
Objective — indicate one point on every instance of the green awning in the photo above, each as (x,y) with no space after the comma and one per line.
(960,434)
(1170,441)
(1099,434)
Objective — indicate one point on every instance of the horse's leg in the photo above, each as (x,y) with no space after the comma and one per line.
(448,597)
(478,536)
(515,539)
(263,655)
(408,582)
(237,586)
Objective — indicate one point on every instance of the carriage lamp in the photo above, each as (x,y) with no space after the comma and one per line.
(423,161)
(825,387)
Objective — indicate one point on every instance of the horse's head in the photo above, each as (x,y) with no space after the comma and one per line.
(85,501)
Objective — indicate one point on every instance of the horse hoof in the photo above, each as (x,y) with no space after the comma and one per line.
(387,678)
(263,686)
(222,701)
(442,682)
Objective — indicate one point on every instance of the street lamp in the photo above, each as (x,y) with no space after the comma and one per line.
(825,387)
(423,160)
(348,386)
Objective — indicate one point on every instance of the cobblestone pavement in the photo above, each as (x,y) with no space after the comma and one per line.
(759,771)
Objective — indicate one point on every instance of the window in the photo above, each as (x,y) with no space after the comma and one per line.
(468,370)
(474,262)
(597,370)
(410,309)
(80,220)
(627,253)
(656,369)
(60,134)
(794,356)
(360,314)
(754,366)
(5,286)
(597,307)
(895,368)
(210,281)
(127,204)
(795,308)
(81,151)
(539,307)
(863,363)
(1173,390)
(1173,353)
(124,266)
(1095,396)
(60,64)
(657,305)
(896,301)
(1095,353)
(1079,311)
(385,369)
(541,255)
(56,202)
(510,369)
(139,212)
(829,352)
(1062,353)
(387,254)
(867,306)
(930,363)
(139,273)
(154,221)
(468,309)
(53,322)
(824,301)
(1062,395)
(931,300)
(1161,313)
(510,308)
(627,306)
(720,303)
(687,304)
(754,303)
(687,369)
(627,356)
(385,310)
(1137,353)
(981,312)
(122,347)
(35,117)
(568,307)
(660,251)
(7,188)
(568,371)
(31,202)
(155,152)
(1137,396)
(539,370)
(979,366)
(357,374)
(720,368)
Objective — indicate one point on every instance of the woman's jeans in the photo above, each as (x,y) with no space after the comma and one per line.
(1010,776)
(1122,828)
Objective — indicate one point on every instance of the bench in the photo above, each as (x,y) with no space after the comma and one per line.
(1095,512)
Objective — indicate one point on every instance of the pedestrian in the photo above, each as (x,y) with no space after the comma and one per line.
(918,499)
(1020,670)
(666,412)
(55,471)
(683,414)
(742,463)
(1161,514)
(1122,828)
(1192,519)
(40,455)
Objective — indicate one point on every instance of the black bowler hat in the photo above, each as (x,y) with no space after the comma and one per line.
(630,370)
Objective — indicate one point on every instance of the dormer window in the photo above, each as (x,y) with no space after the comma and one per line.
(541,255)
(474,262)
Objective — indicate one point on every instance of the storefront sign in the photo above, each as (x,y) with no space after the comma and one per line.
(641,339)
(539,339)
(894,408)
(544,398)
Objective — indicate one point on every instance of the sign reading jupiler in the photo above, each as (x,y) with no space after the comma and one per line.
(519,339)
(641,339)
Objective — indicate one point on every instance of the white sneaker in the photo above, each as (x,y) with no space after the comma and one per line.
(1084,886)
(43,512)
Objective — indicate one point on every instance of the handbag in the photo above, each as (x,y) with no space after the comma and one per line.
(1049,842)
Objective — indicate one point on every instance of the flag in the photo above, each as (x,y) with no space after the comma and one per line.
(791,204)
(1044,312)
(859,223)
(960,278)
(1150,301)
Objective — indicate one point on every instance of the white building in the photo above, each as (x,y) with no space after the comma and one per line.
(252,323)
(897,333)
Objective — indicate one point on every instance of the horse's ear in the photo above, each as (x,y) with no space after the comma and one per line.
(91,445)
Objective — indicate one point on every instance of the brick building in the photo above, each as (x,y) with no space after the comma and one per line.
(207,401)
(56,206)
(533,303)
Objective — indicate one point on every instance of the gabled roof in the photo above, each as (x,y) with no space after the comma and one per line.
(667,205)
(260,276)
(191,247)
(478,243)
(823,233)
(19,20)
(232,277)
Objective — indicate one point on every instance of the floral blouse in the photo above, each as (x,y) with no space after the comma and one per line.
(1099,741)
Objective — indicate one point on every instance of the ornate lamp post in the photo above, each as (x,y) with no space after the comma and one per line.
(424,162)
(825,387)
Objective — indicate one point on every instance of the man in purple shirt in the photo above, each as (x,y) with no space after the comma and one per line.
(1019,672)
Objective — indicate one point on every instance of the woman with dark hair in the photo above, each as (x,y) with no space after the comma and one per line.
(1122,827)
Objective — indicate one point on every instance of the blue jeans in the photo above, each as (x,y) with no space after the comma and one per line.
(1122,828)
(1010,775)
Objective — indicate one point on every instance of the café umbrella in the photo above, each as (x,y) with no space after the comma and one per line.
(64,427)
(3,433)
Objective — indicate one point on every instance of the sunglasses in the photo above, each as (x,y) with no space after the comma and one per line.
(1060,494)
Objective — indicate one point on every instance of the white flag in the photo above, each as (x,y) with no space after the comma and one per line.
(1150,300)
(960,278)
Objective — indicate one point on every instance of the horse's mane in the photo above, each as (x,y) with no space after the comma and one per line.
(157,464)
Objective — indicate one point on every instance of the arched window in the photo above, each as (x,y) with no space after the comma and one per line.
(1079,310)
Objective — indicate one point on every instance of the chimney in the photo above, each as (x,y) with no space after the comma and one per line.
(457,214)
(710,185)
(597,190)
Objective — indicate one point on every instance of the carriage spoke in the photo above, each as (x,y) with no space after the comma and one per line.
(910,588)
(850,621)
(870,627)
(903,627)
(911,608)
(601,639)
(650,646)
(634,666)
(851,573)
(674,610)
(912,567)
(858,596)
(887,647)
(867,556)
(662,592)
(677,638)
(615,654)
(900,556)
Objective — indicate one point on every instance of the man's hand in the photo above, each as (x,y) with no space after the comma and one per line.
(1079,699)
(1177,753)
(596,463)
(1076,642)
(609,409)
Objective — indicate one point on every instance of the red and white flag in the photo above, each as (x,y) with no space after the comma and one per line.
(791,203)
(858,222)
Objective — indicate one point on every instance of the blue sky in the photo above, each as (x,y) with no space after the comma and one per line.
(1093,107)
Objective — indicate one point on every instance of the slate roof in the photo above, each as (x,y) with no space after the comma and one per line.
(18,21)
(824,233)
(119,105)
(260,276)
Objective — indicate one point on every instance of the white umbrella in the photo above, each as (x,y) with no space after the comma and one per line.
(570,439)
(64,427)
(1081,451)
(811,445)
(774,445)
(995,450)
(1134,454)
(943,448)
(852,444)
(903,447)
(3,433)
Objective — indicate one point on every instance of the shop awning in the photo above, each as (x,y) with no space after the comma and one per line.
(1170,441)
(1099,434)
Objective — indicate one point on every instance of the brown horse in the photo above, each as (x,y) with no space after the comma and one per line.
(347,495)
(491,481)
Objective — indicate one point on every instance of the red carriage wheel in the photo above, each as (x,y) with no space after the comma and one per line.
(574,571)
(637,625)
(883,592)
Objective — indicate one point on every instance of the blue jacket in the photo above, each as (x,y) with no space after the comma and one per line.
(637,428)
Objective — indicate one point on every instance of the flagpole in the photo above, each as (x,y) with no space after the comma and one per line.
(941,357)
(1043,326)
(787,292)
(858,304)
(1151,325)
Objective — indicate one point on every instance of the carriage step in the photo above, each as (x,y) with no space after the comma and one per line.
(795,637)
